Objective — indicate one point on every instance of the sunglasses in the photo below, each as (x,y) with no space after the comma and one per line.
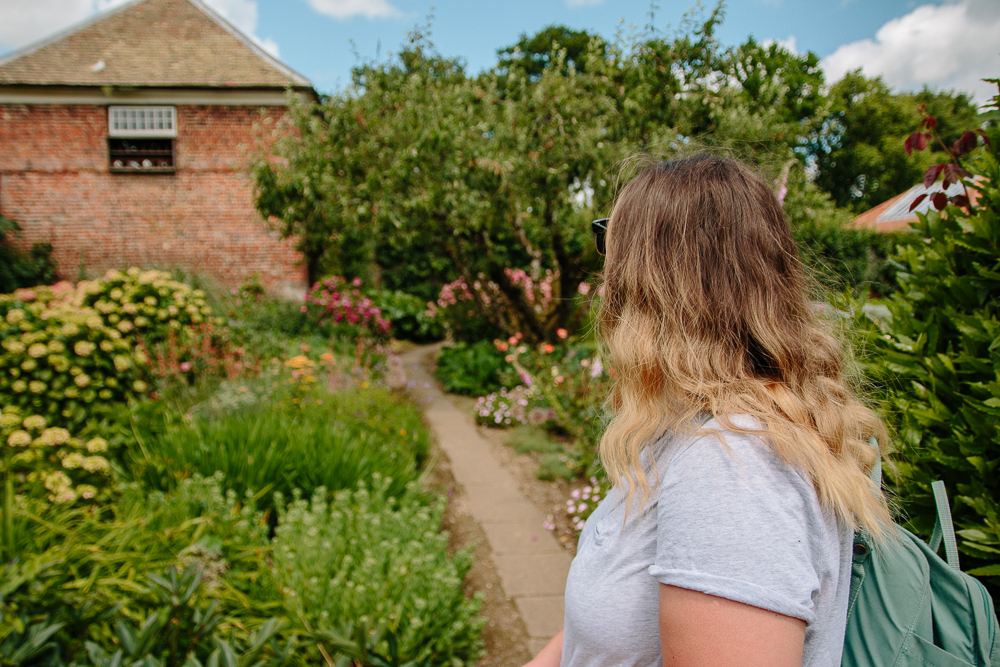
(600,228)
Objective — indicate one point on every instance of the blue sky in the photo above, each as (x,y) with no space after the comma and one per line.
(947,44)
(319,46)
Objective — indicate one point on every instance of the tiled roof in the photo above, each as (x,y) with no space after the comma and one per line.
(150,43)
(896,214)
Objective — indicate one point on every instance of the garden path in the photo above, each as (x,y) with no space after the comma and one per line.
(531,563)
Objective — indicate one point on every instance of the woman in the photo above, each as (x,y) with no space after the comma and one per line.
(738,453)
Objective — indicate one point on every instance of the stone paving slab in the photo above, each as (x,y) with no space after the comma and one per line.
(541,611)
(510,511)
(532,565)
(518,538)
(532,575)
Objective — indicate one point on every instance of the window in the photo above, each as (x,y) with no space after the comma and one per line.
(141,139)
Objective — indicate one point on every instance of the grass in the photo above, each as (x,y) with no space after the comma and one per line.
(553,460)
(330,440)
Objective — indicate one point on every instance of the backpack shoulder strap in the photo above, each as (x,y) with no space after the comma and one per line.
(943,527)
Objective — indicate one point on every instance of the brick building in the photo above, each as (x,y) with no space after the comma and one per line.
(124,141)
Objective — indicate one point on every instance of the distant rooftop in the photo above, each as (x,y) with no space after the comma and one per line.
(150,43)
(895,213)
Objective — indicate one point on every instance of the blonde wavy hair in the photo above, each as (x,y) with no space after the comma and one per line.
(706,311)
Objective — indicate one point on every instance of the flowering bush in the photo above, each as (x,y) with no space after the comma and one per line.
(144,305)
(342,306)
(503,409)
(582,503)
(474,312)
(62,360)
(48,461)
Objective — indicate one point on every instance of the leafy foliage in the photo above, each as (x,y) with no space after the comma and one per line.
(856,151)
(18,269)
(471,369)
(427,171)
(374,560)
(937,360)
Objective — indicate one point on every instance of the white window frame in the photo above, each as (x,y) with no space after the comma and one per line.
(142,121)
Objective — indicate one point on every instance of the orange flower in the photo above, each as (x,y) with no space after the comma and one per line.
(548,348)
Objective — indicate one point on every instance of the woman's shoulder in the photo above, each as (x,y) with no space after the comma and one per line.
(728,449)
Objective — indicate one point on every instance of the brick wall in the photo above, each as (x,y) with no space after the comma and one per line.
(54,181)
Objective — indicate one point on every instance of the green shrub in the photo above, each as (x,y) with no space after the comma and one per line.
(282,441)
(471,369)
(408,314)
(937,359)
(842,257)
(85,569)
(18,269)
(378,560)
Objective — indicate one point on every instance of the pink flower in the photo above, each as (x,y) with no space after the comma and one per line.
(562,333)
(185,366)
(583,288)
(356,282)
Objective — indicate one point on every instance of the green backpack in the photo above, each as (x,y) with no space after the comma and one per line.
(908,607)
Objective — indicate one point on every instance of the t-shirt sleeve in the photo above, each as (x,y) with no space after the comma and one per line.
(735,524)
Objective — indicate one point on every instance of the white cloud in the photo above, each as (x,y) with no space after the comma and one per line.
(950,46)
(345,9)
(243,15)
(583,3)
(25,21)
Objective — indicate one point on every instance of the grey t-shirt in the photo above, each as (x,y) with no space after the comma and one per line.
(739,524)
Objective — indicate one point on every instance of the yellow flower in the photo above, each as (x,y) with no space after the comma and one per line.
(19,386)
(56,347)
(36,387)
(15,316)
(94,464)
(107,346)
(82,380)
(122,363)
(125,326)
(9,420)
(74,460)
(86,491)
(14,346)
(150,300)
(29,365)
(97,445)
(34,422)
(38,350)
(116,294)
(19,439)
(94,322)
(54,436)
(130,308)
(83,348)
(299,361)
(140,386)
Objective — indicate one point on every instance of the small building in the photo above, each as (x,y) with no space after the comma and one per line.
(895,214)
(125,141)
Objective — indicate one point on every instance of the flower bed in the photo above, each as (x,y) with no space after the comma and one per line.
(145,514)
